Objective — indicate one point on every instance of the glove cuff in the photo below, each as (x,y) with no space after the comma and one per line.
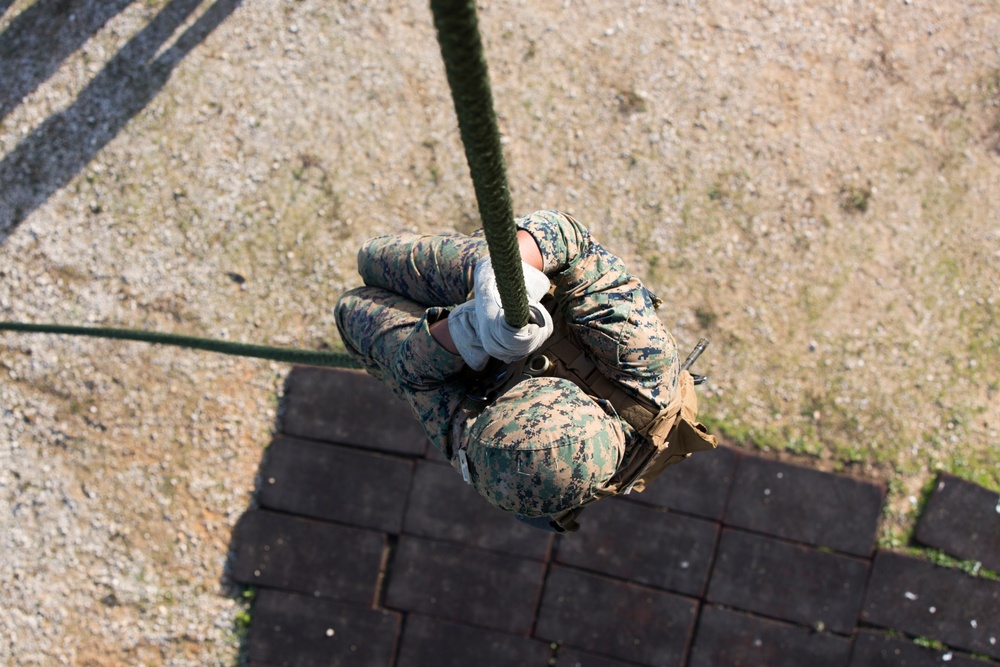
(465,336)
(536,283)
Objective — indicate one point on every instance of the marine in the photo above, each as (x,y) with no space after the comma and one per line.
(586,400)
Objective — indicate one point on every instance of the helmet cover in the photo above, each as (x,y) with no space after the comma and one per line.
(543,447)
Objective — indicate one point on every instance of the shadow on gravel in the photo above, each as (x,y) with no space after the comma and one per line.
(36,43)
(62,146)
(4,6)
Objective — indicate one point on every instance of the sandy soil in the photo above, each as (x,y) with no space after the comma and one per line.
(814,186)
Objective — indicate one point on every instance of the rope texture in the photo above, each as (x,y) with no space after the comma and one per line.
(462,51)
(468,78)
(283,354)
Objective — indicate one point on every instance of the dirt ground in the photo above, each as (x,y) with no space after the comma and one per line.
(814,186)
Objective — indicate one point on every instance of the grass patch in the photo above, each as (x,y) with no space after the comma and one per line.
(245,598)
(970,567)
(930,643)
(856,199)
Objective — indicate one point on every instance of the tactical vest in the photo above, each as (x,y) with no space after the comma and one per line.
(668,436)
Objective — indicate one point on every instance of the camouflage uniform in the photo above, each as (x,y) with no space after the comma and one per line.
(411,281)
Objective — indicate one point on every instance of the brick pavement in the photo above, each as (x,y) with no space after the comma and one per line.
(368,549)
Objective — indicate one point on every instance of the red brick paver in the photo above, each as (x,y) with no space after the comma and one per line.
(616,618)
(804,505)
(335,483)
(317,558)
(923,599)
(788,581)
(874,649)
(646,545)
(727,637)
(305,631)
(465,585)
(963,519)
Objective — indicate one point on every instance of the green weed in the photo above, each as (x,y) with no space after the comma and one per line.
(930,643)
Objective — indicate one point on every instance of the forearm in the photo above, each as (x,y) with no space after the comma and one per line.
(530,254)
(442,334)
(559,239)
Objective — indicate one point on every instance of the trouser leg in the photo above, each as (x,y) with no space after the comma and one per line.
(431,270)
(373,323)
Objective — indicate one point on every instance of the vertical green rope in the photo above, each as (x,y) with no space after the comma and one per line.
(465,64)
(462,51)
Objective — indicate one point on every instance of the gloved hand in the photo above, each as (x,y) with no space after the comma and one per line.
(464,329)
(499,339)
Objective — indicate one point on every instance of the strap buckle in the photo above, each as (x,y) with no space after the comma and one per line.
(463,465)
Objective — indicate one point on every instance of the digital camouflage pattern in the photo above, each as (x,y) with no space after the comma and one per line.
(411,281)
(543,447)
(431,270)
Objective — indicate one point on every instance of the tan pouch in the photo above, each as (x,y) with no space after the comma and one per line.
(675,439)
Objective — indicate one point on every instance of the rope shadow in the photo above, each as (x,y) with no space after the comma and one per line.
(41,37)
(66,142)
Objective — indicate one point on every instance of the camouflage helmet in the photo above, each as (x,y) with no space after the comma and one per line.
(542,448)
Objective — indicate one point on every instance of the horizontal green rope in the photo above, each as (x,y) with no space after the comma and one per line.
(282,354)
(469,79)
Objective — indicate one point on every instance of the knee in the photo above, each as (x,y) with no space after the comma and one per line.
(347,300)
(369,250)
(350,303)
(377,257)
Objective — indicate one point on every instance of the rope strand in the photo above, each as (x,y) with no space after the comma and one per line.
(469,80)
(283,354)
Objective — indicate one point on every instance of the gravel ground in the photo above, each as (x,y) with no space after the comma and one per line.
(814,186)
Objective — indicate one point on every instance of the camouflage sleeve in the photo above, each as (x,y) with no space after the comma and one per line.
(560,238)
(433,270)
(390,335)
(609,310)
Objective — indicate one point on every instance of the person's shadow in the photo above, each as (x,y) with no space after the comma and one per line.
(59,148)
(41,37)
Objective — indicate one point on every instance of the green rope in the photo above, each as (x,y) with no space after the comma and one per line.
(283,354)
(465,64)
